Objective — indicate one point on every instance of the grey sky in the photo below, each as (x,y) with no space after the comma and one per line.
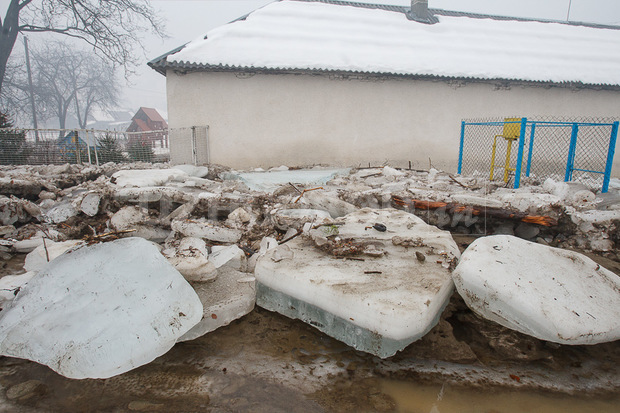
(188,19)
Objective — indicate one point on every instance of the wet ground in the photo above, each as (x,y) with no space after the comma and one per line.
(265,362)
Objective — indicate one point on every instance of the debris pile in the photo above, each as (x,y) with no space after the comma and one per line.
(364,255)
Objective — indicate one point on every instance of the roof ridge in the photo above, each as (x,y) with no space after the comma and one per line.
(454,13)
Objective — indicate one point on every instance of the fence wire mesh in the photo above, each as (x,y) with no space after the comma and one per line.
(573,149)
(60,146)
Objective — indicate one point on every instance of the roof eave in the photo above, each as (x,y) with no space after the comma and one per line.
(160,63)
(186,67)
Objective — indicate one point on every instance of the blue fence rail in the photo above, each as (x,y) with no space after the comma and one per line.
(573,150)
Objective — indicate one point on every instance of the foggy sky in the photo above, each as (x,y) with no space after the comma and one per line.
(189,19)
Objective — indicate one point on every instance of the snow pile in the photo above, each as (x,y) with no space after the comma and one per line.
(378,282)
(100,311)
(318,36)
(549,293)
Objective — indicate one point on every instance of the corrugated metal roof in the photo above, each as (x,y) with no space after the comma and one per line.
(168,61)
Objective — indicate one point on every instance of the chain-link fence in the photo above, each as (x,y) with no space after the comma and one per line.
(565,149)
(59,146)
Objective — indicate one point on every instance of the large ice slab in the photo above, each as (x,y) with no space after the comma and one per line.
(100,311)
(377,291)
(549,293)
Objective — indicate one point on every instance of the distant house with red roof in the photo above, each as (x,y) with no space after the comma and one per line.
(149,126)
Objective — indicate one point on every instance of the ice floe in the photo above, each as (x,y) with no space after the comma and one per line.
(377,282)
(100,311)
(549,293)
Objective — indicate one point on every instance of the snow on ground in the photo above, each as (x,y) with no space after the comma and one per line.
(100,311)
(549,293)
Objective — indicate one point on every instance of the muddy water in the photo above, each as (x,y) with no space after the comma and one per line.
(415,398)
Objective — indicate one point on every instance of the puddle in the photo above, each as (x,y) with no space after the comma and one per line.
(415,398)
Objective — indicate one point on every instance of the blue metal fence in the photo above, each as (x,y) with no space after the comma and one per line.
(569,149)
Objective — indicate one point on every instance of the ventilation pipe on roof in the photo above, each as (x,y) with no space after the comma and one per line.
(419,11)
(419,8)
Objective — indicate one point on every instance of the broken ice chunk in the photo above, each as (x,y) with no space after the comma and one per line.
(202,228)
(190,258)
(100,311)
(229,297)
(43,254)
(549,293)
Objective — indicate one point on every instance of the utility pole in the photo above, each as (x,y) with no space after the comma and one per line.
(568,13)
(34,112)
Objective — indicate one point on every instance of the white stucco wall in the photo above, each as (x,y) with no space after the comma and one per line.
(270,120)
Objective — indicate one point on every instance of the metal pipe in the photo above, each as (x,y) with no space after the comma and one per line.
(610,157)
(530,151)
(520,153)
(460,167)
(570,162)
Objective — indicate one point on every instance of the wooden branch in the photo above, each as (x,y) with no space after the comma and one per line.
(306,190)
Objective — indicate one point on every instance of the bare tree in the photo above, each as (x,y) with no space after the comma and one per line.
(55,68)
(111,27)
(96,87)
(65,80)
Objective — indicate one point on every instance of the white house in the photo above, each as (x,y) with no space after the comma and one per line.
(303,82)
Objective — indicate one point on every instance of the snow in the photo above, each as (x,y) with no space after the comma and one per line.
(148,177)
(378,305)
(549,293)
(270,181)
(318,36)
(100,311)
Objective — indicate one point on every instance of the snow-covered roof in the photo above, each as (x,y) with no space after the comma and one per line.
(347,37)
